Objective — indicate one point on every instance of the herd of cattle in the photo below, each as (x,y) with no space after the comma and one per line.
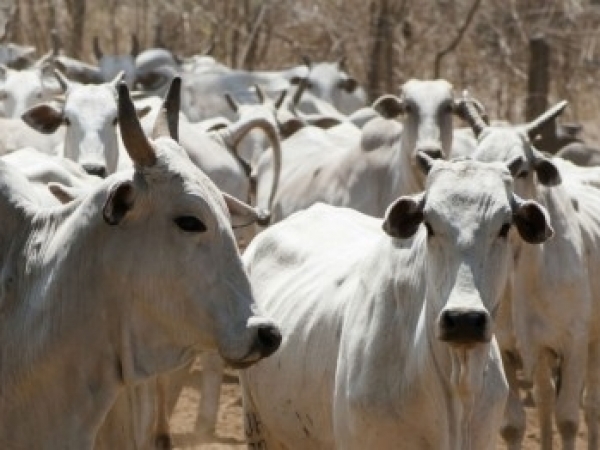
(402,281)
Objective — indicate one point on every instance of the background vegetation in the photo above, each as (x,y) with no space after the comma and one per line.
(482,45)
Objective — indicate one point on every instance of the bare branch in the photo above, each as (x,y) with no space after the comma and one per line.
(456,41)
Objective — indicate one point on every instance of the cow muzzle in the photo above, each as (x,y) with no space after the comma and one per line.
(464,327)
(266,340)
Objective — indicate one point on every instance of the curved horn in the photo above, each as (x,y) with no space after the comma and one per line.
(235,132)
(468,110)
(64,82)
(534,127)
(135,45)
(168,117)
(97,51)
(136,143)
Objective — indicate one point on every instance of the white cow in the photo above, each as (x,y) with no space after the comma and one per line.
(388,340)
(45,170)
(22,89)
(90,116)
(370,175)
(111,65)
(548,318)
(118,286)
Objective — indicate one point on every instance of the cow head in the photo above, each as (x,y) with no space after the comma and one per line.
(182,274)
(513,146)
(329,81)
(111,65)
(90,117)
(428,107)
(466,214)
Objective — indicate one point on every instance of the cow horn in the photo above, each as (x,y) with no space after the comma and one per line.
(45,59)
(97,51)
(468,110)
(299,91)
(231,102)
(136,143)
(534,127)
(64,82)
(236,131)
(280,99)
(117,79)
(168,117)
(259,93)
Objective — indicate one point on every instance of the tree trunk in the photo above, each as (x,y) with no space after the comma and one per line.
(538,82)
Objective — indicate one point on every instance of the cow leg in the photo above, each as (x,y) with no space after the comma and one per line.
(545,396)
(513,426)
(592,394)
(212,378)
(163,436)
(572,374)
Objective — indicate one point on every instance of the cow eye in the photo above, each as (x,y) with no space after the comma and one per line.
(504,230)
(67,121)
(190,224)
(115,121)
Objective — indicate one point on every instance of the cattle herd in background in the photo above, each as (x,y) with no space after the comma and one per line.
(381,277)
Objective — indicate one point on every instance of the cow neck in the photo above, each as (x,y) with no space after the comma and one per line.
(460,372)
(57,354)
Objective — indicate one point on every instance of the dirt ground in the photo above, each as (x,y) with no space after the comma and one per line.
(230,434)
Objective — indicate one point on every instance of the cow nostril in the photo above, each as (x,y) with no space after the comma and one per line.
(269,338)
(448,320)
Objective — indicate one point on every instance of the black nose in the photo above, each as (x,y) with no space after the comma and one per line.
(263,217)
(464,327)
(269,339)
(94,169)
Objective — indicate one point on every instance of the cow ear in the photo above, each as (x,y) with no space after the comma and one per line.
(389,106)
(547,172)
(403,217)
(290,126)
(348,85)
(532,221)
(120,201)
(43,118)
